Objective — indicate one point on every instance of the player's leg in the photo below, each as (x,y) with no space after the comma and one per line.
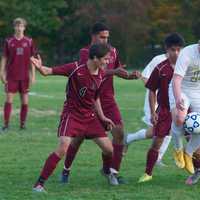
(107,152)
(163,150)
(24,109)
(7,109)
(23,89)
(52,162)
(69,158)
(139,135)
(152,157)
(177,134)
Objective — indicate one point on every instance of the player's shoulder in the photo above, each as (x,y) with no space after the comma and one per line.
(159,58)
(85,49)
(9,39)
(190,49)
(164,64)
(29,39)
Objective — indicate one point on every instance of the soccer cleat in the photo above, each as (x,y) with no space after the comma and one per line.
(144,178)
(188,163)
(22,127)
(179,158)
(160,164)
(65,176)
(112,179)
(39,188)
(193,179)
(4,129)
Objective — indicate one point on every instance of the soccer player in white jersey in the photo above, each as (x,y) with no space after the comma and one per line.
(148,133)
(186,89)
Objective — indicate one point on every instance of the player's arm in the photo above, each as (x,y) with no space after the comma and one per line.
(37,62)
(3,69)
(152,104)
(122,73)
(102,117)
(176,83)
(32,73)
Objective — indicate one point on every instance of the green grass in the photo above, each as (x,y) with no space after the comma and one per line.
(22,153)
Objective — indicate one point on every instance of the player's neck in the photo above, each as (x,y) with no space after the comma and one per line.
(172,62)
(19,36)
(92,67)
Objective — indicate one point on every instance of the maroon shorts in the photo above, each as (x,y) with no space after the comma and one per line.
(112,112)
(72,126)
(13,86)
(163,126)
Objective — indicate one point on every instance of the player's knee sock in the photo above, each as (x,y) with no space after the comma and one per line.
(152,157)
(164,147)
(23,114)
(70,156)
(139,135)
(193,144)
(107,160)
(7,113)
(49,167)
(177,132)
(117,156)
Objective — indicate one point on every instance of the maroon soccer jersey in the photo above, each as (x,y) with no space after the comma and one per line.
(107,89)
(159,80)
(82,89)
(18,53)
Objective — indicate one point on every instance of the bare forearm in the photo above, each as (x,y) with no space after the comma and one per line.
(45,71)
(99,109)
(152,101)
(176,85)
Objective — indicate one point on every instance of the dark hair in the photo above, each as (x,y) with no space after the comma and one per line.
(174,39)
(98,50)
(98,27)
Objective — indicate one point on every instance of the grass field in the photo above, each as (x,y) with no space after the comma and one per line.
(22,153)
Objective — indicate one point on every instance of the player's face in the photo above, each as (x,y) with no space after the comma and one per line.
(103,62)
(102,37)
(19,28)
(173,53)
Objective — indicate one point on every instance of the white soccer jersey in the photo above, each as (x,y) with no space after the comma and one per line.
(188,66)
(146,73)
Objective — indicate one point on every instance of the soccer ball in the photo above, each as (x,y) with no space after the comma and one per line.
(192,123)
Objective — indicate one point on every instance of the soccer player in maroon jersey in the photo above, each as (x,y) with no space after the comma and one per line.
(100,34)
(82,109)
(161,116)
(17,71)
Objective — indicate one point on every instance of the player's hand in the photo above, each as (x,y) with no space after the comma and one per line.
(154,118)
(135,74)
(180,104)
(37,62)
(108,123)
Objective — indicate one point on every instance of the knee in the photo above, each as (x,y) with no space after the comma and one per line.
(108,152)
(62,149)
(118,135)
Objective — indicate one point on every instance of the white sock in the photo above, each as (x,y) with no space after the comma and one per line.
(139,135)
(177,133)
(193,144)
(164,147)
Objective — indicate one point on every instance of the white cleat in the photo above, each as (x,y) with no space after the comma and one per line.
(112,179)
(39,188)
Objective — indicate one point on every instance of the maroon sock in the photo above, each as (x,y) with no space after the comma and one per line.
(152,157)
(107,160)
(7,112)
(117,156)
(70,156)
(49,166)
(23,114)
(196,163)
